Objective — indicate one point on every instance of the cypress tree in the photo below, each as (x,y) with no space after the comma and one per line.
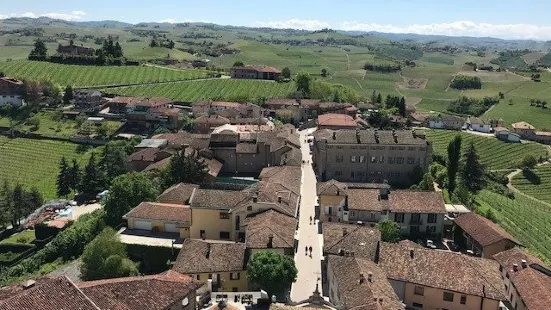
(472,172)
(63,178)
(454,154)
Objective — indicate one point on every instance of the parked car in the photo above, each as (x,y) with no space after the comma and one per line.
(102,194)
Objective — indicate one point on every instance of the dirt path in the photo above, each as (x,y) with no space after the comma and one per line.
(358,83)
(348,62)
(510,186)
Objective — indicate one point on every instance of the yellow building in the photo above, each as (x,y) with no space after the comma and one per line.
(160,218)
(222,263)
(435,280)
(332,198)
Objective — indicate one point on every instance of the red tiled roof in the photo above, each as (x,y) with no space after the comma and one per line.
(522,125)
(57,293)
(481,229)
(179,193)
(533,287)
(279,226)
(341,120)
(402,201)
(161,211)
(156,292)
(259,69)
(198,256)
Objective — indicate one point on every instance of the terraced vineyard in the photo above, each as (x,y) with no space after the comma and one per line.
(525,219)
(536,183)
(94,75)
(35,162)
(221,89)
(493,153)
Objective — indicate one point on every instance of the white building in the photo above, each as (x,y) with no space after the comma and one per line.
(14,100)
(479,125)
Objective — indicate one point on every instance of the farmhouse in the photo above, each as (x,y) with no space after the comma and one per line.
(504,134)
(444,121)
(479,125)
(529,132)
(482,236)
(75,50)
(160,218)
(255,72)
(11,92)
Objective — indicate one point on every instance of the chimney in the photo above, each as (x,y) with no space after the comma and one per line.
(255,198)
(411,254)
(270,241)
(279,199)
(338,192)
(344,232)
(358,140)
(524,264)
(208,250)
(370,277)
(515,267)
(380,301)
(334,135)
(362,278)
(28,284)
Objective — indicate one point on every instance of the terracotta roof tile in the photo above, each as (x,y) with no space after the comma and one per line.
(157,292)
(481,229)
(246,148)
(402,201)
(341,120)
(522,125)
(279,226)
(217,199)
(441,269)
(331,188)
(197,256)
(533,286)
(178,194)
(161,211)
(57,293)
(365,294)
(361,240)
(385,137)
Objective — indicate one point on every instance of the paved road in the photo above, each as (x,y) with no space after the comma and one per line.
(309,266)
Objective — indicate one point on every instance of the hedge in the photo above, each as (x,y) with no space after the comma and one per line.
(43,231)
(10,253)
(152,259)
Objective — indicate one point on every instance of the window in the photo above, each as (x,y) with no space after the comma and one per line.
(363,147)
(392,148)
(399,160)
(225,235)
(235,276)
(339,147)
(362,159)
(422,148)
(198,277)
(414,230)
(431,218)
(338,173)
(235,289)
(399,217)
(419,290)
(448,296)
(360,174)
(354,147)
(329,146)
(401,148)
(463,299)
(417,305)
(339,158)
(202,233)
(411,148)
(373,159)
(224,216)
(391,160)
(353,158)
(352,174)
(381,159)
(411,160)
(431,229)
(210,276)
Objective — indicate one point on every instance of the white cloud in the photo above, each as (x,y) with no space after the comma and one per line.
(458,28)
(71,16)
(305,24)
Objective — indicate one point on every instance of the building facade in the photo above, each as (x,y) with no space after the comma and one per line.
(369,155)
(87,100)
(255,72)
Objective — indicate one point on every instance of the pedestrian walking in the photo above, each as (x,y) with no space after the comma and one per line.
(306,249)
(310,250)
(310,220)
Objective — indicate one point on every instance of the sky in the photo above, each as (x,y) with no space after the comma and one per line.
(505,19)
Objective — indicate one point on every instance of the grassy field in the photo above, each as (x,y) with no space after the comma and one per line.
(536,182)
(25,237)
(226,89)
(94,75)
(35,162)
(495,154)
(52,128)
(524,218)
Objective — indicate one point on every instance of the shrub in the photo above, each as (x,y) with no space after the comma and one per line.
(529,161)
(466,82)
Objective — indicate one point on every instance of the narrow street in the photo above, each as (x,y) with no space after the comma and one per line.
(309,266)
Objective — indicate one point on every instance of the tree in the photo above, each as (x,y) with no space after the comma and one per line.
(544,104)
(529,161)
(126,192)
(373,97)
(303,83)
(63,179)
(40,49)
(74,175)
(286,73)
(117,52)
(454,155)
(238,64)
(472,172)
(102,131)
(402,107)
(18,203)
(272,271)
(324,72)
(184,168)
(153,43)
(379,98)
(68,95)
(390,231)
(113,159)
(105,257)
(92,179)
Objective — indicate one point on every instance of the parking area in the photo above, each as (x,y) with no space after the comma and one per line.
(78,211)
